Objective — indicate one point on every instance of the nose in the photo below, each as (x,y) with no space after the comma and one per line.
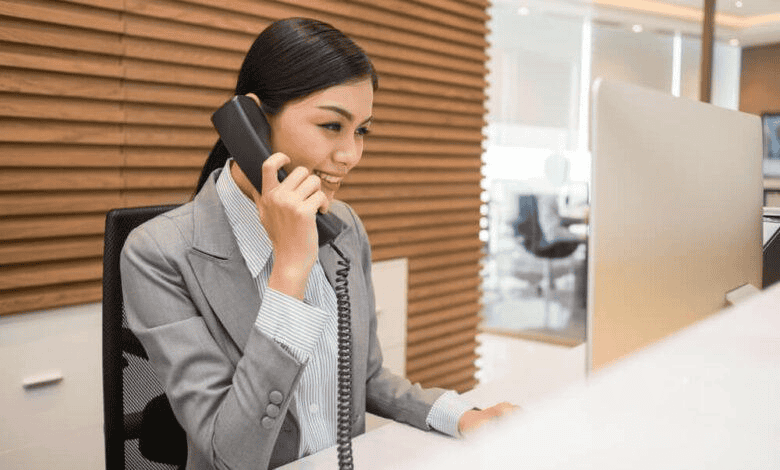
(348,154)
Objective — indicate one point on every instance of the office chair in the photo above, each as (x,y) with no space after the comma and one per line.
(535,241)
(140,429)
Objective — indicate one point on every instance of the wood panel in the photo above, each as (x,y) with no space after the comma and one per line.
(107,103)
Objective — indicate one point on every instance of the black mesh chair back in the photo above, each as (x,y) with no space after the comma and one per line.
(140,429)
(528,226)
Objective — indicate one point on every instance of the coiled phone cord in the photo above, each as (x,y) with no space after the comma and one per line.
(344,400)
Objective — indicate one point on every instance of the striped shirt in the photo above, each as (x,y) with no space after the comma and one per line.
(307,329)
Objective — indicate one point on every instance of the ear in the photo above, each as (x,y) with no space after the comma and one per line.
(254,98)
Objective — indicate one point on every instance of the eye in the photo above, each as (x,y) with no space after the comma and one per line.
(332,126)
(362,131)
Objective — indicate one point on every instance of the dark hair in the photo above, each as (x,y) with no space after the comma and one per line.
(291,59)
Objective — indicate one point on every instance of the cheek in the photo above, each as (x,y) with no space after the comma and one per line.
(305,148)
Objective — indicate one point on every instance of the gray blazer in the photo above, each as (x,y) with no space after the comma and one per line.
(192,303)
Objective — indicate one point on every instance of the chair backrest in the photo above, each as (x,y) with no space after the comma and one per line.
(136,412)
(528,225)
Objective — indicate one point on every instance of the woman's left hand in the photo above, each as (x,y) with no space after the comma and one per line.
(473,419)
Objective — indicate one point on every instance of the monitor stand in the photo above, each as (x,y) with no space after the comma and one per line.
(739,294)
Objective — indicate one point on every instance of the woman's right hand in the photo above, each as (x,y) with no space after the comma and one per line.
(287,211)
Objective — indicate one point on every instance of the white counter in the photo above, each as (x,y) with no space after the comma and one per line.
(707,397)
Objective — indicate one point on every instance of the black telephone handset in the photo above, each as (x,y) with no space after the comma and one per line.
(244,131)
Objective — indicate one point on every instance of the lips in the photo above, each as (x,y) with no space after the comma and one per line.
(329,178)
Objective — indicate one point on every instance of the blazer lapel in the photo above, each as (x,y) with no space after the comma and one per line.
(219,267)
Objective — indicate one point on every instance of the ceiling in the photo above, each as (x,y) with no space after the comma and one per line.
(754,22)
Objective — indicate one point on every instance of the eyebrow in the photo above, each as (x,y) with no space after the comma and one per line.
(344,112)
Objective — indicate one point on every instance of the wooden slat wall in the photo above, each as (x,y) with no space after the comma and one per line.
(106,103)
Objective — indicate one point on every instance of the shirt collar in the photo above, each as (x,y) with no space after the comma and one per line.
(252,238)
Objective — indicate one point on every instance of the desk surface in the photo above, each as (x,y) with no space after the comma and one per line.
(706,397)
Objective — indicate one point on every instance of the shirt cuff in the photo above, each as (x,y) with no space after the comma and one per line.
(446,413)
(294,324)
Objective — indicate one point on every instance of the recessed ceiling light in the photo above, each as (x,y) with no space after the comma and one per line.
(524,11)
(637,28)
(738,4)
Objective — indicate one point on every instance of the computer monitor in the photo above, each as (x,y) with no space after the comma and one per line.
(675,215)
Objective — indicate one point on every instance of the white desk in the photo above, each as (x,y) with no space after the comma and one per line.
(706,397)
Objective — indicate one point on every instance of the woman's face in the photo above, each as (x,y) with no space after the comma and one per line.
(324,131)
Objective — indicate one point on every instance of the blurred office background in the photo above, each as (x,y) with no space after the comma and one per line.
(544,56)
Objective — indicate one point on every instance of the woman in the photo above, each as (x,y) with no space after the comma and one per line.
(231,295)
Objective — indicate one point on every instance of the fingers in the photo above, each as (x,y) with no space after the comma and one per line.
(271,167)
(502,409)
(302,188)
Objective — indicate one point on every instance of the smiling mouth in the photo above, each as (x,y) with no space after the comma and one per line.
(327,178)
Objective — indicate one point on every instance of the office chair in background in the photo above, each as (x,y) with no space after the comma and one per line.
(140,429)
(528,226)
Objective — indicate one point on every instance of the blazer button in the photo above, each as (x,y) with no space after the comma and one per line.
(267,422)
(276,397)
(272,410)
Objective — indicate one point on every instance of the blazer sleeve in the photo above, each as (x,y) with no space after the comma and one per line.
(387,394)
(232,412)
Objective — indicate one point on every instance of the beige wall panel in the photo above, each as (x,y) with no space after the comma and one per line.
(144,157)
(378,48)
(50,60)
(451,272)
(429,360)
(423,264)
(58,36)
(429,219)
(466,310)
(405,101)
(149,197)
(473,11)
(420,307)
(22,179)
(169,136)
(107,103)
(426,13)
(444,288)
(423,234)
(178,75)
(57,202)
(410,207)
(399,191)
(48,226)
(28,300)
(34,82)
(184,95)
(457,159)
(413,149)
(36,132)
(61,109)
(58,156)
(362,177)
(64,13)
(439,343)
(50,250)
(51,273)
(171,178)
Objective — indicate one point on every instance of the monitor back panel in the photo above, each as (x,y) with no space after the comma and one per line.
(675,218)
